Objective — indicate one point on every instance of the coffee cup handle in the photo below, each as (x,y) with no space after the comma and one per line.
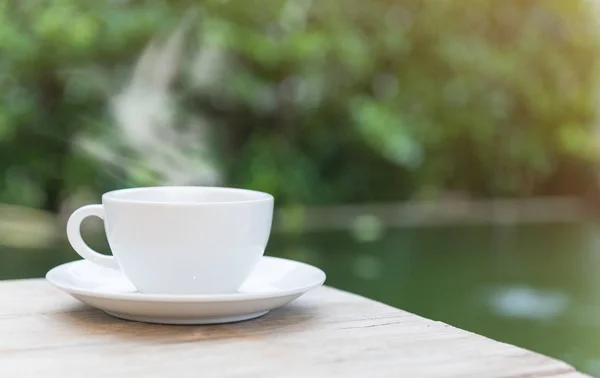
(76,241)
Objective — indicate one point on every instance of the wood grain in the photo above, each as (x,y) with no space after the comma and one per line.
(325,333)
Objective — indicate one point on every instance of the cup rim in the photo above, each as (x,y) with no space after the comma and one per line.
(113,196)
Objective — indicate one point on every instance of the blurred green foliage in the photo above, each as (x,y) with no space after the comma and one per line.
(315,102)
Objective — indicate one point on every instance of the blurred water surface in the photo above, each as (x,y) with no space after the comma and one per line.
(536,285)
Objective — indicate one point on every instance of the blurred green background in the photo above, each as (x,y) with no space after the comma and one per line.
(440,156)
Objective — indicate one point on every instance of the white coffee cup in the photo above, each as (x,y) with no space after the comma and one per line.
(180,240)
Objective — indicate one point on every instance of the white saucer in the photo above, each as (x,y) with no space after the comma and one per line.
(274,283)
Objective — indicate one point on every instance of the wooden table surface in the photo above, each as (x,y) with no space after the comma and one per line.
(325,333)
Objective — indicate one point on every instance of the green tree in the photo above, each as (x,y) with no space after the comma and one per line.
(316,102)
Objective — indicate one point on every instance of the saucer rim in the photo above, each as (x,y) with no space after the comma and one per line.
(181,298)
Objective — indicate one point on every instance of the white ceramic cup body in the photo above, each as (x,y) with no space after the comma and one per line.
(181,240)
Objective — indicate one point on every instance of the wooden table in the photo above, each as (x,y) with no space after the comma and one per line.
(325,333)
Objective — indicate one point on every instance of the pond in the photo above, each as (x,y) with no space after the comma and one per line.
(536,286)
